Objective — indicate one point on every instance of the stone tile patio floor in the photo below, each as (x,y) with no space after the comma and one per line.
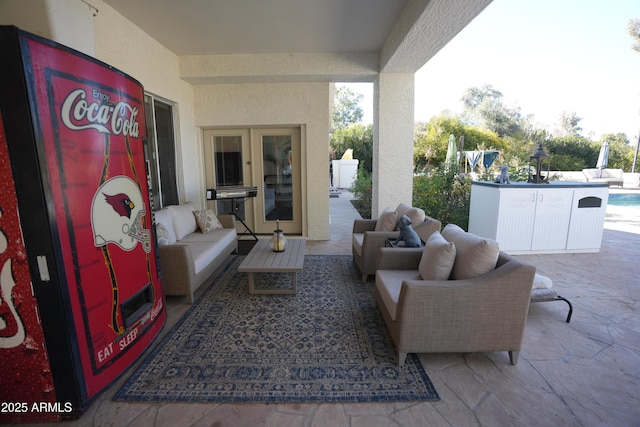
(585,373)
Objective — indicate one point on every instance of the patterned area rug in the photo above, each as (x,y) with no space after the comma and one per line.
(327,343)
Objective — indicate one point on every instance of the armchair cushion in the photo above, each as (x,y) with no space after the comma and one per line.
(357,240)
(387,220)
(475,255)
(437,258)
(389,284)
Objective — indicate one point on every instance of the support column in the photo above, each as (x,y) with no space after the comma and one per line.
(392,141)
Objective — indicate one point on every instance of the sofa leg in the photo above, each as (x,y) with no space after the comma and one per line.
(401,358)
(365,277)
(513,357)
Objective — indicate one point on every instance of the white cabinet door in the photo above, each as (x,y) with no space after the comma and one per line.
(516,217)
(553,212)
(587,219)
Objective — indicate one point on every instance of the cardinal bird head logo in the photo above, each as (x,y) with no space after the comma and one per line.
(121,203)
(118,215)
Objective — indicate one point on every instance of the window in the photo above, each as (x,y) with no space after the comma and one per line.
(161,152)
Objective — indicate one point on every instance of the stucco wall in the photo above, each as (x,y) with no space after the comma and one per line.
(68,22)
(120,43)
(295,104)
(392,141)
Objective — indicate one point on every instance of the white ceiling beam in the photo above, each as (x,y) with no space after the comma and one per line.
(423,28)
(280,67)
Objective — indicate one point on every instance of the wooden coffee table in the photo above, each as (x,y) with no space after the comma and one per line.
(262,259)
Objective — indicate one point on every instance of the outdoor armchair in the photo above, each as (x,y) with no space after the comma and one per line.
(369,236)
(480,314)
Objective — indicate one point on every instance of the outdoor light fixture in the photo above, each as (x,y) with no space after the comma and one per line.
(540,157)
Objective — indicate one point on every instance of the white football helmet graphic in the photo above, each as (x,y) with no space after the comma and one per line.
(116,215)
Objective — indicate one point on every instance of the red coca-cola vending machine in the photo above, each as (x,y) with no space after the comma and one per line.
(80,295)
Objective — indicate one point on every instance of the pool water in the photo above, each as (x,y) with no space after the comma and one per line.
(625,199)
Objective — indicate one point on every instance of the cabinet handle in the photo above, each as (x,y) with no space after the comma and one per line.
(541,198)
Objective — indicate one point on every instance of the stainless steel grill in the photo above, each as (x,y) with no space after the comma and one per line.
(231,192)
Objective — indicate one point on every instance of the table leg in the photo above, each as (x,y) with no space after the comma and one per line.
(254,291)
(252,284)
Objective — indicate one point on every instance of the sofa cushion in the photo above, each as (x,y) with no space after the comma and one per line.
(183,220)
(206,247)
(437,259)
(387,220)
(474,255)
(389,284)
(163,217)
(207,220)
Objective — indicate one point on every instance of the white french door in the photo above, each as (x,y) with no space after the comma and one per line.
(276,165)
(268,158)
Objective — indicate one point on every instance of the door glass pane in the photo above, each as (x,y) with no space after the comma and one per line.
(276,166)
(228,167)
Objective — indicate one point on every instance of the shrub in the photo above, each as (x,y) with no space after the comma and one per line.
(362,193)
(444,195)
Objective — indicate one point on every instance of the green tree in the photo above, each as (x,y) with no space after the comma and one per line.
(346,107)
(484,108)
(431,140)
(634,31)
(620,151)
(569,124)
(572,153)
(357,137)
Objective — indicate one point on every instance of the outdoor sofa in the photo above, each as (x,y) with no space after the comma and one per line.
(608,176)
(192,243)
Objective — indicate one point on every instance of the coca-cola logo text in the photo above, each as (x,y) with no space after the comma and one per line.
(101,115)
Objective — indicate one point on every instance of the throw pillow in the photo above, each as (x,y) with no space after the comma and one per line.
(474,255)
(162,234)
(416,215)
(182,217)
(207,221)
(163,216)
(387,220)
(402,209)
(437,259)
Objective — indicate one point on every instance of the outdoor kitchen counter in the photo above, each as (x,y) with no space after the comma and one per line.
(525,218)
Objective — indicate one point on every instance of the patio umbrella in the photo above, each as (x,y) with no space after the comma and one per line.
(603,157)
(452,152)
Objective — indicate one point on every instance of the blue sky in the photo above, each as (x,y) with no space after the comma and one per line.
(546,57)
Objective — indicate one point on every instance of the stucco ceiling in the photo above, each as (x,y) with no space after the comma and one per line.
(208,27)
